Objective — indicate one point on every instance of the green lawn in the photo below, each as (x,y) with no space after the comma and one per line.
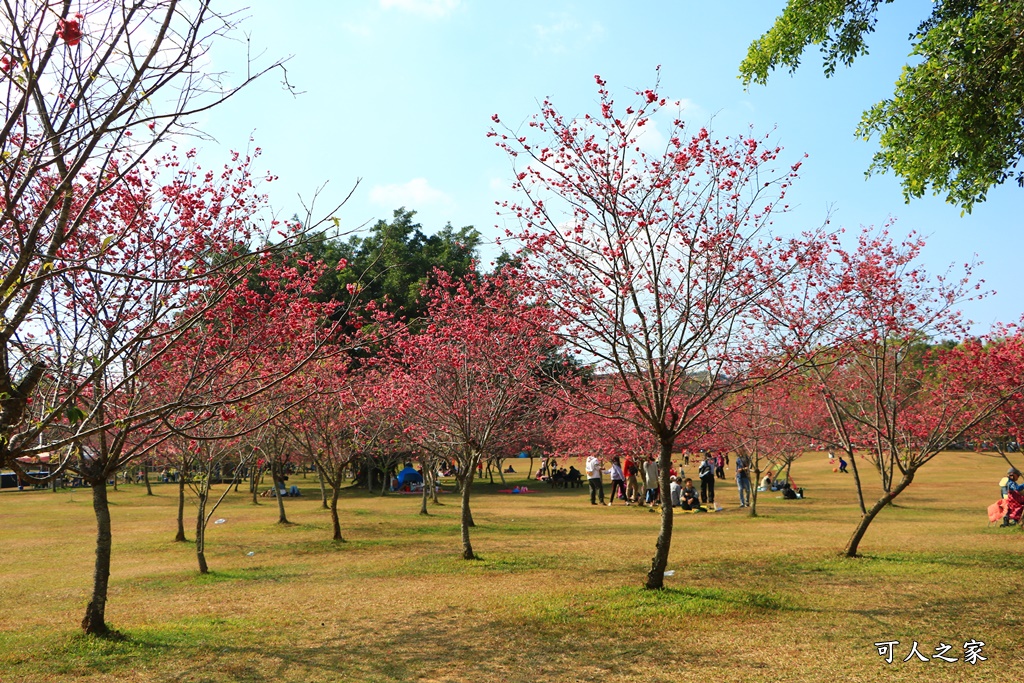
(555,597)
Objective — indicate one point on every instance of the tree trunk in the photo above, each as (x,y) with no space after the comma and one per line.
(94,622)
(656,577)
(334,513)
(201,534)
(323,487)
(467,516)
(529,475)
(856,480)
(181,511)
(278,486)
(145,478)
(869,516)
(754,486)
(426,493)
(254,486)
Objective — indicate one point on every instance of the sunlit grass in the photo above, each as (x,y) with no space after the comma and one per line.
(555,594)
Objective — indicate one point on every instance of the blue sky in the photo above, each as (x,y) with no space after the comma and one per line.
(399,94)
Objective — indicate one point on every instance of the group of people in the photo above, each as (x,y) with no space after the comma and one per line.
(636,481)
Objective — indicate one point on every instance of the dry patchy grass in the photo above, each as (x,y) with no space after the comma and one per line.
(555,597)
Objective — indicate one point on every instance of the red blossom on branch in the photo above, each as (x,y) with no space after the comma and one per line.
(69,31)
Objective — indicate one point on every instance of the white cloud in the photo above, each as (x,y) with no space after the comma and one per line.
(565,33)
(429,8)
(413,194)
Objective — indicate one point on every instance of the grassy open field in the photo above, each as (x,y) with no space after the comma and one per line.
(555,597)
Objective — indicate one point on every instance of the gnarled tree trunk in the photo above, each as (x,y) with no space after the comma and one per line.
(865,521)
(201,534)
(656,577)
(180,538)
(323,488)
(334,513)
(278,488)
(94,622)
(466,520)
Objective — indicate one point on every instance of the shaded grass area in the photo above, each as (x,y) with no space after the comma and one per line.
(554,596)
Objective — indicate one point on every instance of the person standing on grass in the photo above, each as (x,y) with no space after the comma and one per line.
(630,469)
(720,466)
(743,479)
(651,477)
(594,478)
(618,481)
(706,472)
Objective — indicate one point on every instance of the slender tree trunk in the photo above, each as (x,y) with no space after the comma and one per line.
(94,622)
(434,485)
(869,516)
(755,485)
(856,481)
(181,511)
(334,512)
(529,475)
(467,516)
(201,533)
(254,486)
(501,471)
(426,492)
(278,486)
(656,577)
(323,487)
(145,478)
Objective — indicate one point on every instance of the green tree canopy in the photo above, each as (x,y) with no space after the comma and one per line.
(394,260)
(955,122)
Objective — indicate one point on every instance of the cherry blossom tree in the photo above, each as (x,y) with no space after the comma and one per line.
(887,390)
(458,380)
(85,100)
(769,425)
(656,247)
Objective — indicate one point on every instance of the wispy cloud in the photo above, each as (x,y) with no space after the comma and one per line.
(564,34)
(415,193)
(428,8)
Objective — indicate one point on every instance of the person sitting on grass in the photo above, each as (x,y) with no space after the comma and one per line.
(675,491)
(689,499)
(1014,498)
(789,494)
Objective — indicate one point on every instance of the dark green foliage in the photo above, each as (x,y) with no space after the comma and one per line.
(395,260)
